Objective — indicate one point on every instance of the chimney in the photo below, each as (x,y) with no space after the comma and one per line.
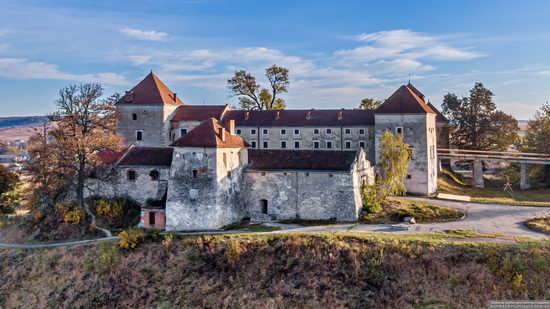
(277,115)
(129,97)
(308,115)
(221,130)
(341,114)
(175,97)
(246,115)
(232,126)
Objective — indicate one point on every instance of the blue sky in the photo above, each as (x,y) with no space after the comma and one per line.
(337,51)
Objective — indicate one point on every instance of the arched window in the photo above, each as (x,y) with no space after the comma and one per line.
(263,206)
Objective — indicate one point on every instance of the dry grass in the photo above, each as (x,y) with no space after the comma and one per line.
(493,192)
(539,224)
(288,271)
(395,210)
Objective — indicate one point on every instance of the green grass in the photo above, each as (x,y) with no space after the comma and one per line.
(539,224)
(252,227)
(395,210)
(493,193)
(469,234)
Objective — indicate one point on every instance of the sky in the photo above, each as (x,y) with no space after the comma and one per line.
(338,52)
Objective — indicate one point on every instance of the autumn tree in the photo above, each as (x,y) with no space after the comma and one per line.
(64,156)
(393,164)
(475,122)
(8,196)
(369,103)
(251,94)
(537,136)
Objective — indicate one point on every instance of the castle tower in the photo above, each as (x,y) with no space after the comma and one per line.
(144,113)
(206,178)
(406,112)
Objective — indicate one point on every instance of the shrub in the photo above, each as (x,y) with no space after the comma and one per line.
(167,240)
(372,200)
(112,210)
(130,238)
(108,256)
(233,251)
(153,234)
(70,212)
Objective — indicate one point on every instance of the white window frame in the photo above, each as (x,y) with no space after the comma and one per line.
(328,131)
(181,131)
(283,143)
(361,131)
(316,143)
(299,145)
(252,131)
(362,144)
(294,132)
(328,143)
(265,131)
(238,131)
(265,143)
(346,144)
(253,144)
(283,132)
(316,131)
(346,131)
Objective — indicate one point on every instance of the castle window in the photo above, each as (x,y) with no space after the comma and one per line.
(253,144)
(263,206)
(139,135)
(183,132)
(329,175)
(283,144)
(348,131)
(228,174)
(252,131)
(296,144)
(329,145)
(195,174)
(155,175)
(152,218)
(348,145)
(328,131)
(283,131)
(315,131)
(296,132)
(362,144)
(239,131)
(399,130)
(131,175)
(265,131)
(134,116)
(307,174)
(316,144)
(409,176)
(361,131)
(265,144)
(224,158)
(263,173)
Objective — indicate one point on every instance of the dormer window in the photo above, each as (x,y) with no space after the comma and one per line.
(183,132)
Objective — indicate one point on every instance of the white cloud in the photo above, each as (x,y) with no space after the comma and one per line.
(19,68)
(139,59)
(145,34)
(403,50)
(3,32)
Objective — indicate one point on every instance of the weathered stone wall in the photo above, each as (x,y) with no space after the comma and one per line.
(153,120)
(139,190)
(212,199)
(307,195)
(419,132)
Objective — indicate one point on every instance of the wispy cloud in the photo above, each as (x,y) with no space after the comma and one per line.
(19,68)
(403,50)
(147,35)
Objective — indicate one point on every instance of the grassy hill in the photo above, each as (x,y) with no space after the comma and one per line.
(10,122)
(268,271)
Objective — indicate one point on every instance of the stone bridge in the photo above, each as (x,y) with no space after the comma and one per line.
(525,159)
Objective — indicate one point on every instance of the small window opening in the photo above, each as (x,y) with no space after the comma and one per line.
(134,116)
(152,217)
(139,135)
(155,175)
(132,175)
(195,174)
(263,206)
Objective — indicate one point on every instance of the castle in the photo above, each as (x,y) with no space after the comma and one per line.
(196,167)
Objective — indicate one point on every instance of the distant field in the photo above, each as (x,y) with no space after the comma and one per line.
(12,128)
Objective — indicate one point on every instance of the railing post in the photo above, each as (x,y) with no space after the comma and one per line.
(524,177)
(478,174)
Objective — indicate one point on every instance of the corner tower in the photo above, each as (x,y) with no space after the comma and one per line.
(406,112)
(144,113)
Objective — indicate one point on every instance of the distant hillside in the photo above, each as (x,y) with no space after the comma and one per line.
(10,122)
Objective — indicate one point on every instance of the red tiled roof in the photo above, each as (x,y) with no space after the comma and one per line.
(300,160)
(198,112)
(301,118)
(147,156)
(110,156)
(207,135)
(439,117)
(150,91)
(405,100)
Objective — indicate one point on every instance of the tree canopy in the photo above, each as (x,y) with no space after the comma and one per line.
(8,183)
(369,103)
(537,137)
(475,122)
(251,94)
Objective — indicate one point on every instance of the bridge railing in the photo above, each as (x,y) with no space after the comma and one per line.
(495,155)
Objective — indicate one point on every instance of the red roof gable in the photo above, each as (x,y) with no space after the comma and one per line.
(406,100)
(198,112)
(207,135)
(301,117)
(150,91)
